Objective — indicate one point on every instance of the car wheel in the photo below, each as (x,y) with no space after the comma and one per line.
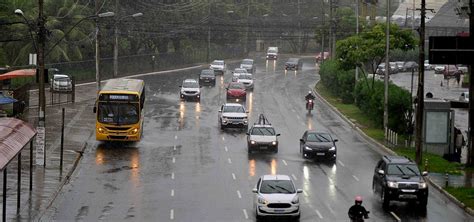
(385,199)
(249,150)
(297,217)
(222,127)
(258,217)
(275,150)
(374,189)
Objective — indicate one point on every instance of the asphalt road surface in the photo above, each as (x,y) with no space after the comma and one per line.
(187,169)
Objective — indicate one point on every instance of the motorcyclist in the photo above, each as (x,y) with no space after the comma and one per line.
(310,96)
(357,212)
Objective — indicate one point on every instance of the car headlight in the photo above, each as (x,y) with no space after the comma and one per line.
(245,121)
(274,143)
(101,130)
(307,148)
(252,142)
(295,200)
(422,185)
(332,148)
(133,131)
(262,200)
(392,184)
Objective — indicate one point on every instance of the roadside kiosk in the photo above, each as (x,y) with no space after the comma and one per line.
(438,127)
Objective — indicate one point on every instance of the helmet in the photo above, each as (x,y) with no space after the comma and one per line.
(309,92)
(358,200)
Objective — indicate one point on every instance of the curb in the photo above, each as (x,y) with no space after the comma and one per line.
(388,150)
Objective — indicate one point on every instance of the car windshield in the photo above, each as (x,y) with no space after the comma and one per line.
(190,85)
(236,86)
(245,76)
(219,63)
(247,62)
(318,137)
(403,169)
(271,51)
(293,60)
(263,131)
(118,113)
(233,109)
(207,73)
(277,186)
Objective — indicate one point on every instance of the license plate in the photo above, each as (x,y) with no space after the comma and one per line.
(320,154)
(407,196)
(408,191)
(278,210)
(207,80)
(263,147)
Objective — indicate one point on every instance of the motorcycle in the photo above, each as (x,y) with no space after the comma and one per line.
(359,217)
(309,105)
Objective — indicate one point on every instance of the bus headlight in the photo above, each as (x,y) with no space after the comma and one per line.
(133,131)
(101,130)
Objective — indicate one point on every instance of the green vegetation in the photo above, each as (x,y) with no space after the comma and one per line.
(463,194)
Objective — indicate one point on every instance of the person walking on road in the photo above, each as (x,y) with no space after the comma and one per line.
(458,77)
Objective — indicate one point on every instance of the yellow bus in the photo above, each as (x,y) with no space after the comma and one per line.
(118,110)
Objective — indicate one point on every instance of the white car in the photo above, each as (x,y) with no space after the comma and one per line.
(272,53)
(218,66)
(464,97)
(262,137)
(439,69)
(248,64)
(236,73)
(190,89)
(233,115)
(427,65)
(246,79)
(61,82)
(276,195)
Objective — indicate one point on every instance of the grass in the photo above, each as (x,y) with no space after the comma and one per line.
(463,194)
(436,163)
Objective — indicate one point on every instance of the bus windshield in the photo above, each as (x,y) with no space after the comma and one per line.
(118,113)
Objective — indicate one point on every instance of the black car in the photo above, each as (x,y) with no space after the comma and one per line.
(293,64)
(207,76)
(398,178)
(315,144)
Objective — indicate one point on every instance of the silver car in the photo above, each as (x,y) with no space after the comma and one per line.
(276,195)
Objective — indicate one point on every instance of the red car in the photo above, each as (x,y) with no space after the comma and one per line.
(236,90)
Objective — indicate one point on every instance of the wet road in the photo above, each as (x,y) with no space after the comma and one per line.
(187,169)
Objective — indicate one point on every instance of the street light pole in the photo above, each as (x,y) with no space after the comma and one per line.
(208,31)
(97,46)
(116,41)
(387,70)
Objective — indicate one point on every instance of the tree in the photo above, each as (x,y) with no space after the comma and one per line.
(367,50)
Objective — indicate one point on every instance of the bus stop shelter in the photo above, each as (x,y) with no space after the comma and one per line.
(15,135)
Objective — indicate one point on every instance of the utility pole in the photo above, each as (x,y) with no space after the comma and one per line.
(247,28)
(97,46)
(299,27)
(470,153)
(420,91)
(330,29)
(387,70)
(116,41)
(323,31)
(357,33)
(208,30)
(413,16)
(42,99)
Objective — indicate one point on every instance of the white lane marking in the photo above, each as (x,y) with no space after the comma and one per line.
(355,177)
(174,159)
(395,216)
(340,163)
(174,147)
(225,147)
(171,214)
(239,195)
(330,209)
(294,177)
(293,110)
(177,128)
(175,137)
(245,214)
(319,214)
(233,176)
(284,162)
(223,138)
(172,176)
(298,117)
(229,160)
(172,192)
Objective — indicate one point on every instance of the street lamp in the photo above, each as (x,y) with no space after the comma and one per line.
(116,40)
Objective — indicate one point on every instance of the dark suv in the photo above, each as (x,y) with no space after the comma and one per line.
(398,178)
